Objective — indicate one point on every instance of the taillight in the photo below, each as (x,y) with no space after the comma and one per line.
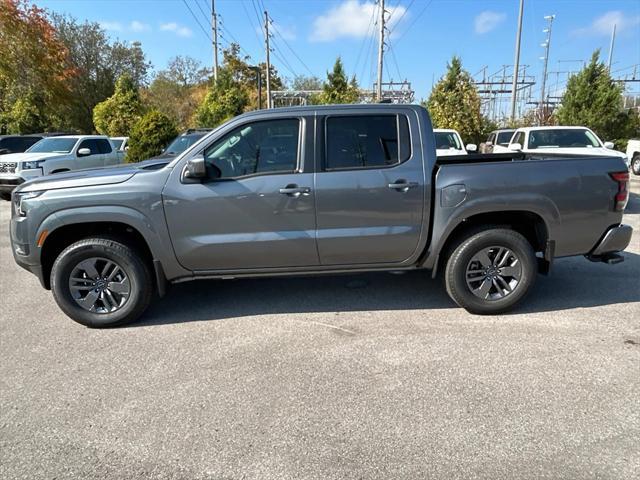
(622,197)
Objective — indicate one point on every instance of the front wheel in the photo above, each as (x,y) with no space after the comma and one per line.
(489,272)
(101,282)
(635,164)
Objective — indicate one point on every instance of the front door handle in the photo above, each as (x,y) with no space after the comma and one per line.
(295,191)
(402,185)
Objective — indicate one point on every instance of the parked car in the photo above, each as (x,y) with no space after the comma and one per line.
(449,142)
(182,142)
(498,141)
(567,140)
(17,143)
(633,155)
(316,190)
(55,155)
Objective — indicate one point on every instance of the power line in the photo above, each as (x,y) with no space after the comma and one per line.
(364,40)
(253,26)
(275,29)
(197,21)
(414,20)
(401,16)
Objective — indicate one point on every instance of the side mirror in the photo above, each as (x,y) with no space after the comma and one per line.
(195,168)
(609,145)
(126,148)
(471,147)
(515,146)
(84,152)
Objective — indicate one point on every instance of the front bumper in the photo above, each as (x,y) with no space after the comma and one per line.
(24,253)
(7,184)
(615,240)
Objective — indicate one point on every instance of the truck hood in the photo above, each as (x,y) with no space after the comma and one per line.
(89,177)
(29,156)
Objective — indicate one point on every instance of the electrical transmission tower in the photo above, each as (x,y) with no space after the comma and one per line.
(497,89)
(543,112)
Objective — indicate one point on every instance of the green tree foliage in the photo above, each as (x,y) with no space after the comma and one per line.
(454,103)
(117,115)
(150,135)
(338,88)
(98,63)
(594,100)
(224,100)
(34,73)
(175,90)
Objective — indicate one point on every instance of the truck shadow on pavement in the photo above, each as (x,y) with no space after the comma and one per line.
(573,283)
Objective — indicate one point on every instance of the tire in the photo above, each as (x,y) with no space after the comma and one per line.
(112,306)
(509,274)
(635,164)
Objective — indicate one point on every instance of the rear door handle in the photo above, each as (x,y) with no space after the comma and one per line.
(402,185)
(294,190)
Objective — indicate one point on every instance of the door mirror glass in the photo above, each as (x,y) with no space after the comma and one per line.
(609,145)
(471,147)
(195,168)
(84,152)
(515,146)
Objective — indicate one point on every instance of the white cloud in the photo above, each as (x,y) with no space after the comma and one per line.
(351,19)
(137,26)
(176,28)
(288,33)
(111,26)
(487,21)
(603,25)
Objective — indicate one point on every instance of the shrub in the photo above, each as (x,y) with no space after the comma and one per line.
(150,135)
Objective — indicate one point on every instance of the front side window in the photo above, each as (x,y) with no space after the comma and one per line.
(91,145)
(54,145)
(562,138)
(366,141)
(258,147)
(447,140)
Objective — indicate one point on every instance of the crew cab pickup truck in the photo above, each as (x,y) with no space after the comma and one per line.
(316,190)
(55,155)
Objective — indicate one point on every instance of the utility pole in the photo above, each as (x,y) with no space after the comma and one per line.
(266,41)
(214,28)
(516,64)
(613,39)
(546,45)
(380,52)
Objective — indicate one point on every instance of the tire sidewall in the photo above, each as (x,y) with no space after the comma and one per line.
(83,250)
(635,164)
(456,270)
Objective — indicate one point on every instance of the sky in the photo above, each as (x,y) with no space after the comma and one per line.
(422,37)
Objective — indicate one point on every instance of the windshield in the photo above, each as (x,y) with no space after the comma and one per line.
(54,145)
(447,140)
(181,143)
(562,138)
(504,137)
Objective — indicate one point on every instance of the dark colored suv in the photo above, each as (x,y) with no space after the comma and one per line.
(17,143)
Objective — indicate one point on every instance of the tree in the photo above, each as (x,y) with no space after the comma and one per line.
(306,83)
(98,63)
(454,103)
(116,116)
(337,88)
(34,73)
(594,100)
(225,99)
(150,135)
(176,90)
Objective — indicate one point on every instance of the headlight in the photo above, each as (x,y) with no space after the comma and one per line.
(32,165)
(21,200)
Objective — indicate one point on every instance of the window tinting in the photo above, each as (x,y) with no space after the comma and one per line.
(504,137)
(91,145)
(366,141)
(258,147)
(103,145)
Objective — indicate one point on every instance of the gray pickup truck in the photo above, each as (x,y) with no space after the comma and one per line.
(316,190)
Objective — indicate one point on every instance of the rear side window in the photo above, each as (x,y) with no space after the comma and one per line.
(366,141)
(103,145)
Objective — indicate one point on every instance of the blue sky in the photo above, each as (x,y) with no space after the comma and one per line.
(424,33)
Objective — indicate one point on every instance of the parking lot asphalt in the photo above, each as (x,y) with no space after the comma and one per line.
(345,377)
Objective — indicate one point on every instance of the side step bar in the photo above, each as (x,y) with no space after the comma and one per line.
(608,258)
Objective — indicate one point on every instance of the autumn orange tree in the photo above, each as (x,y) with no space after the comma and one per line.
(33,69)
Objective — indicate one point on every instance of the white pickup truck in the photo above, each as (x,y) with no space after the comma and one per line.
(56,155)
(449,142)
(562,139)
(633,154)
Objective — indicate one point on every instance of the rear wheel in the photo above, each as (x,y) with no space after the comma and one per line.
(635,164)
(100,282)
(491,271)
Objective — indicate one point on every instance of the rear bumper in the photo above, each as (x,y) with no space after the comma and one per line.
(615,240)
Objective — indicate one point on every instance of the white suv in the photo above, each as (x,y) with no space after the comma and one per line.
(56,155)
